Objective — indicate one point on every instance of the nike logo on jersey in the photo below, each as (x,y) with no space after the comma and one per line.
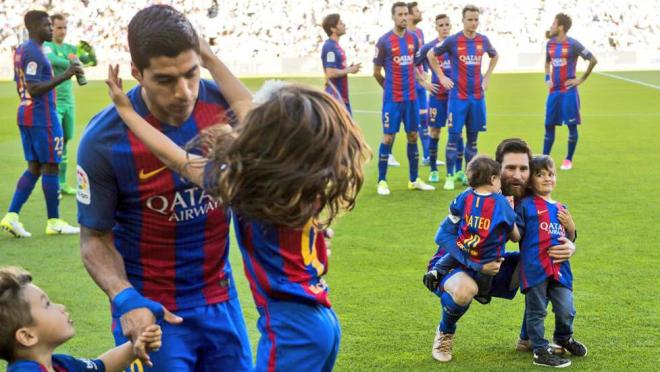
(541,212)
(145,176)
(461,48)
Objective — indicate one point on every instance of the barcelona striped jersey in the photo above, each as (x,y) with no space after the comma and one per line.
(443,61)
(333,56)
(465,56)
(32,66)
(562,56)
(540,229)
(484,221)
(173,237)
(397,56)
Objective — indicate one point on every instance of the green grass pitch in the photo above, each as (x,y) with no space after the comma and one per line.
(381,249)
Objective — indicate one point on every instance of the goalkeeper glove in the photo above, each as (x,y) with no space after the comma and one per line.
(431,280)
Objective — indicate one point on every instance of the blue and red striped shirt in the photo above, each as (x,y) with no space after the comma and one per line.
(563,56)
(32,66)
(485,221)
(333,56)
(283,263)
(397,55)
(465,56)
(173,237)
(60,363)
(443,61)
(540,229)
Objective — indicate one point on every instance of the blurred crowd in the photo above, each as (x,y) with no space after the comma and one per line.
(264,30)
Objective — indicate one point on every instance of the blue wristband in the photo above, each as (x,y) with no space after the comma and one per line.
(130,299)
(547,77)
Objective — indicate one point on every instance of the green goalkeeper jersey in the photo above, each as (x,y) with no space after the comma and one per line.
(60,56)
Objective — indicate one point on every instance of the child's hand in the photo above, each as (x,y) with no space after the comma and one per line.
(149,340)
(566,219)
(115,89)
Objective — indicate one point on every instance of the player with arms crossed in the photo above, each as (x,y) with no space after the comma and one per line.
(41,131)
(395,51)
(467,104)
(62,55)
(334,61)
(438,100)
(151,239)
(563,105)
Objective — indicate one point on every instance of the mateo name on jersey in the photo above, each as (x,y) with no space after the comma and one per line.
(186,205)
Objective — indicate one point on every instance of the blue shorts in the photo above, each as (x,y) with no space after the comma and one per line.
(211,338)
(469,113)
(505,282)
(41,144)
(297,337)
(563,108)
(437,112)
(395,112)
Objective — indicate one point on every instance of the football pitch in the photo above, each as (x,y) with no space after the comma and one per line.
(381,249)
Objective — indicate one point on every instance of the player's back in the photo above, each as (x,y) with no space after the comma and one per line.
(397,55)
(32,66)
(172,235)
(485,220)
(283,263)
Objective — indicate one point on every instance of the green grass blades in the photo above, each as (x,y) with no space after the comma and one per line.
(381,249)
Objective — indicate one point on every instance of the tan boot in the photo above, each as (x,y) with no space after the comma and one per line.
(442,346)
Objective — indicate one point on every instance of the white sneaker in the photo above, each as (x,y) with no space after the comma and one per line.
(57,226)
(12,225)
(383,189)
(420,185)
(391,161)
(442,346)
(439,162)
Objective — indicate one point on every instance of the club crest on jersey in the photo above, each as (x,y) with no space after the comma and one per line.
(411,47)
(480,47)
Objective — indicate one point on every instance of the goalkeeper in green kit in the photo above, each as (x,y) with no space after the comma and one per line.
(61,55)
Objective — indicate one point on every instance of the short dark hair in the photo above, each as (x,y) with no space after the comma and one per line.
(57,16)
(159,30)
(14,308)
(33,19)
(541,162)
(481,169)
(512,145)
(564,20)
(470,8)
(441,16)
(411,5)
(330,21)
(397,5)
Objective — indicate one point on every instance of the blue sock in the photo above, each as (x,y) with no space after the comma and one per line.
(424,136)
(548,139)
(450,152)
(51,186)
(383,154)
(572,141)
(413,160)
(471,146)
(451,313)
(433,153)
(460,147)
(24,188)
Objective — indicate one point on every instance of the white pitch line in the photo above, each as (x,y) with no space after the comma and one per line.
(629,80)
(542,114)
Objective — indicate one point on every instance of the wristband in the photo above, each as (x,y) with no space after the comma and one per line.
(547,77)
(130,299)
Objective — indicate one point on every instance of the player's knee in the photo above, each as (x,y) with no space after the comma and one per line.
(412,137)
(388,139)
(50,168)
